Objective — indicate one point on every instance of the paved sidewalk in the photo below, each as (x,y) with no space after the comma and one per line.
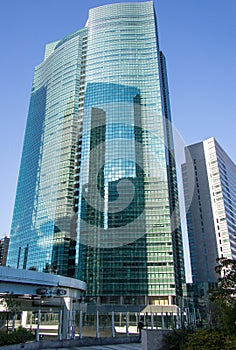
(131,346)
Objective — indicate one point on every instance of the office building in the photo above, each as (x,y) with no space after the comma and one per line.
(210,207)
(4,244)
(97,192)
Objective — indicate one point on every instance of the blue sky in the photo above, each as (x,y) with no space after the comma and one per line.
(197,37)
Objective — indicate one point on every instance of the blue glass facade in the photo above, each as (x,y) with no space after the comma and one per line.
(42,234)
(101,188)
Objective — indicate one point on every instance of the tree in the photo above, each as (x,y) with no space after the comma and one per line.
(226,270)
(220,334)
(10,305)
(223,297)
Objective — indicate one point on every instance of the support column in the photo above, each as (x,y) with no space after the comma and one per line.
(113,324)
(24,319)
(60,326)
(66,318)
(13,323)
(178,321)
(152,321)
(97,325)
(68,324)
(162,321)
(187,316)
(37,330)
(73,318)
(194,318)
(127,324)
(80,324)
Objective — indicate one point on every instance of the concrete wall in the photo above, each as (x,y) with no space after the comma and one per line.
(55,344)
(152,339)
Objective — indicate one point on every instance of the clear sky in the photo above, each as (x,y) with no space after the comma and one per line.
(198,39)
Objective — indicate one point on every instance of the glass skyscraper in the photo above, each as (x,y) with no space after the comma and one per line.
(97,192)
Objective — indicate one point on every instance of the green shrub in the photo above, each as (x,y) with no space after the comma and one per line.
(202,339)
(230,343)
(4,338)
(175,340)
(207,339)
(21,335)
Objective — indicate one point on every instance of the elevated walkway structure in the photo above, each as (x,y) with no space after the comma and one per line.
(38,292)
(24,282)
(52,305)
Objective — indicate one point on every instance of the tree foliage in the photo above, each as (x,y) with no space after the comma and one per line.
(9,302)
(10,306)
(201,339)
(221,331)
(226,289)
(223,298)
(208,339)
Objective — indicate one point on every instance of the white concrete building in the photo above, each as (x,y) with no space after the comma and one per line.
(210,207)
